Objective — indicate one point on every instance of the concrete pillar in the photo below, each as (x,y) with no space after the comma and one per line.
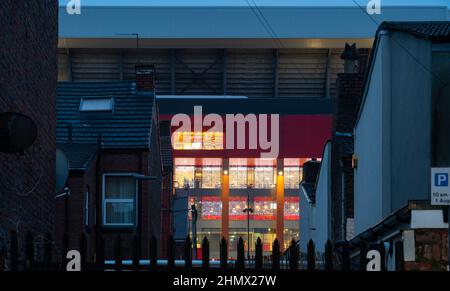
(225,198)
(280,203)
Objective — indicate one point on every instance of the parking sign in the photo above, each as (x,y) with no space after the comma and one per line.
(440,190)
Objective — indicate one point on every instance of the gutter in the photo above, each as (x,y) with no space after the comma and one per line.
(392,222)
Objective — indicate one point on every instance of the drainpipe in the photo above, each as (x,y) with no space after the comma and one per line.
(343,198)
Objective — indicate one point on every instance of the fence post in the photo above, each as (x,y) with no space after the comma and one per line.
(311,250)
(14,249)
(29,252)
(136,252)
(64,250)
(382,255)
(171,254)
(328,256)
(188,253)
(118,254)
(205,253)
(275,255)
(48,251)
(83,251)
(258,255)
(153,254)
(346,256)
(240,262)
(362,256)
(293,255)
(2,258)
(223,254)
(100,253)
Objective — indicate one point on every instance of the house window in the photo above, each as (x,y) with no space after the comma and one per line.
(211,177)
(264,177)
(96,104)
(119,200)
(184,177)
(238,177)
(292,177)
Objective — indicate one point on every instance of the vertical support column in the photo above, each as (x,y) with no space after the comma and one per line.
(328,76)
(225,198)
(224,72)
(121,64)
(172,72)
(69,65)
(280,203)
(275,74)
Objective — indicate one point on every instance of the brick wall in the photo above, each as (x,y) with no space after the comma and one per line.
(349,92)
(431,250)
(166,214)
(149,202)
(28,72)
(79,183)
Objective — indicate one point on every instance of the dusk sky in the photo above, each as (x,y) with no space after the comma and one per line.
(258,2)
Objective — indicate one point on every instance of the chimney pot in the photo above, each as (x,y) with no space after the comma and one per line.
(145,78)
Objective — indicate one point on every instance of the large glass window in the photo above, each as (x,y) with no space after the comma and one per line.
(211,208)
(264,208)
(236,208)
(238,177)
(264,177)
(292,208)
(292,177)
(211,177)
(119,201)
(184,177)
(213,140)
(198,140)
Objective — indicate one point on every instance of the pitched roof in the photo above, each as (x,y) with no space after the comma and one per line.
(437,31)
(79,155)
(126,126)
(431,30)
(309,191)
(311,172)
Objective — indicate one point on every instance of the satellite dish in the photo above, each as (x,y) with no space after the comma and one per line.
(17,132)
(62,170)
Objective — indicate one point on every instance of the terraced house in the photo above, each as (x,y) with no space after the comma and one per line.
(110,134)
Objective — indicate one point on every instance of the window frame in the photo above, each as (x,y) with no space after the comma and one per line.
(182,185)
(255,186)
(239,169)
(111,99)
(209,168)
(299,171)
(105,200)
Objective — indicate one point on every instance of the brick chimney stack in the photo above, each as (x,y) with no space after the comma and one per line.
(350,57)
(145,78)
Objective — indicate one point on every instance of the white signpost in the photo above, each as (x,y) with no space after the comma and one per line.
(440,195)
(440,186)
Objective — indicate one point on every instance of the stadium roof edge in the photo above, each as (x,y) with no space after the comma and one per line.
(213,23)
